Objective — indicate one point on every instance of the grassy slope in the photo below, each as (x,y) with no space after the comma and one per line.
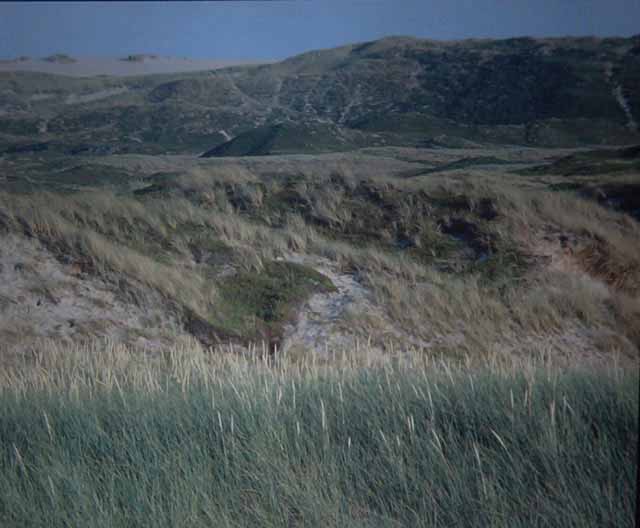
(103,438)
(466,253)
(545,92)
(287,138)
(608,176)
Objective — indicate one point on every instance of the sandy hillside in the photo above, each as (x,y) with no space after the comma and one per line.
(131,65)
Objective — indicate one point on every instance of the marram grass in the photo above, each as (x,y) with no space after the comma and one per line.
(101,436)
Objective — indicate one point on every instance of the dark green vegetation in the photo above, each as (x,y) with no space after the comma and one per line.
(376,447)
(395,91)
(590,162)
(289,138)
(67,178)
(257,303)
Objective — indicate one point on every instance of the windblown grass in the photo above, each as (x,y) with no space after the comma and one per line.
(488,282)
(105,437)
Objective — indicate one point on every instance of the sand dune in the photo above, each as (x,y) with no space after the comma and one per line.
(139,65)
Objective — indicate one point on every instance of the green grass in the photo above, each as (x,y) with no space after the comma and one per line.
(173,442)
(259,302)
(284,138)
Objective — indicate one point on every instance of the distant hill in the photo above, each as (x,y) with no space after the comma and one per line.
(402,91)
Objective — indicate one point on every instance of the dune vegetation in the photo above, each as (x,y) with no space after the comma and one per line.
(332,290)
(112,437)
(465,261)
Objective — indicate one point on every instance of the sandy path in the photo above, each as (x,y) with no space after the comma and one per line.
(620,97)
(322,322)
(333,322)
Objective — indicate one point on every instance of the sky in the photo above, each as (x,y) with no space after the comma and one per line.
(271,30)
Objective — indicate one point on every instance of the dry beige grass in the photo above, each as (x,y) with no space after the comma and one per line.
(582,297)
(572,306)
(85,226)
(102,365)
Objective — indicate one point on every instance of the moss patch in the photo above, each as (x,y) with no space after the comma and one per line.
(256,305)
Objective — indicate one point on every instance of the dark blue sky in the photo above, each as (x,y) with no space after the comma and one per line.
(275,30)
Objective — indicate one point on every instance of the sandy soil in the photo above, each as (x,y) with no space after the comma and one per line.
(91,66)
(332,322)
(43,298)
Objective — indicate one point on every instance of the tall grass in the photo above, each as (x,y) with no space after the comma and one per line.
(100,436)
(151,242)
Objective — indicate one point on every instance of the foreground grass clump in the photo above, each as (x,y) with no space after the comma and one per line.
(104,437)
